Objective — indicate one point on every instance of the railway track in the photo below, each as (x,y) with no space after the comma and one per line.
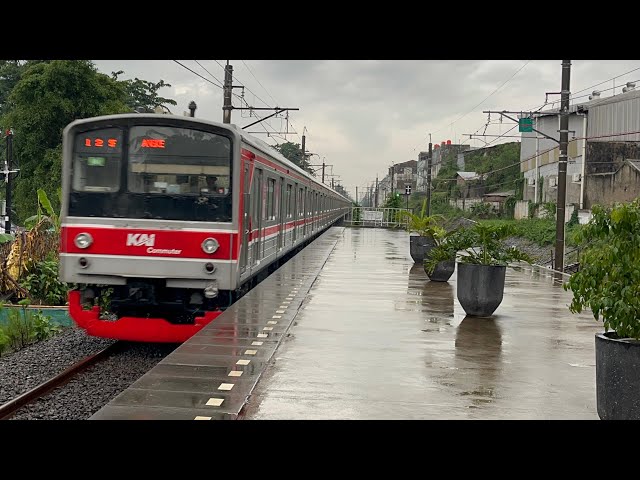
(12,406)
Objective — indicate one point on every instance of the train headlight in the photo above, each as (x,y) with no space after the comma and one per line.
(210,245)
(83,240)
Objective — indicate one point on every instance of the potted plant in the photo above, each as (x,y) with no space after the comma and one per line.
(608,283)
(483,258)
(441,270)
(425,227)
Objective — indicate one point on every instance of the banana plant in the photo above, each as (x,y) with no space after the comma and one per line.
(51,216)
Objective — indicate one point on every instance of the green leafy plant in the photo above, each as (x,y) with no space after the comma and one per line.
(424,225)
(608,281)
(480,244)
(4,338)
(104,300)
(482,210)
(574,220)
(25,326)
(19,326)
(6,237)
(43,327)
(43,283)
(549,210)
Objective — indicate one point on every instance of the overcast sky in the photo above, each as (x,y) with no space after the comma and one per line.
(363,115)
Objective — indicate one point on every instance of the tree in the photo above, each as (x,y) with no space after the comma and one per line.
(48,96)
(142,95)
(39,98)
(393,201)
(10,74)
(293,152)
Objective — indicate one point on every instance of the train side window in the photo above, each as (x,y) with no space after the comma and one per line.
(271,186)
(289,201)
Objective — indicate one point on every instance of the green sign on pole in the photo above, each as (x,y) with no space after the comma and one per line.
(525,124)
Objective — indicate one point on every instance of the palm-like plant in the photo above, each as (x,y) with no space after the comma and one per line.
(424,225)
(480,244)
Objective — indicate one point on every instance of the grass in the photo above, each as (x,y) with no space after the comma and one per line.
(539,230)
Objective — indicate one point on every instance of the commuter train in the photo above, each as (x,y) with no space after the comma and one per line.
(167,220)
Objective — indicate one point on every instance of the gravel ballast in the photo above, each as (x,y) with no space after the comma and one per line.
(89,391)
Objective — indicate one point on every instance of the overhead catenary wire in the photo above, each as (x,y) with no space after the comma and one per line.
(486,98)
(211,74)
(573,96)
(260,83)
(243,85)
(543,153)
(196,73)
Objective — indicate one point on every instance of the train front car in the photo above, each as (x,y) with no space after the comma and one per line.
(148,224)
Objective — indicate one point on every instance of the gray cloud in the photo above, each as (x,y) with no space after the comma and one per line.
(363,115)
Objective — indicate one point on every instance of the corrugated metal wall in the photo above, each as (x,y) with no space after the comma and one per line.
(613,119)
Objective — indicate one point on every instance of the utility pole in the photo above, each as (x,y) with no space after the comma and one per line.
(323,171)
(429,179)
(304,152)
(562,165)
(332,183)
(376,200)
(8,172)
(228,88)
(356,195)
(393,184)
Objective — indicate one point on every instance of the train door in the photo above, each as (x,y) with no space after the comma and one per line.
(282,221)
(245,226)
(257,204)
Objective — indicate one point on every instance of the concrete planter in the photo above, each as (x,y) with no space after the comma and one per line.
(442,272)
(480,288)
(617,377)
(419,247)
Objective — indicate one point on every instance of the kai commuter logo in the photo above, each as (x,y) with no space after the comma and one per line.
(141,240)
(149,240)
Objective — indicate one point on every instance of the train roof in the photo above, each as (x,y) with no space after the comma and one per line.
(255,142)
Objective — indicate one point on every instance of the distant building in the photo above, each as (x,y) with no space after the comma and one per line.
(439,153)
(403,174)
(469,184)
(603,169)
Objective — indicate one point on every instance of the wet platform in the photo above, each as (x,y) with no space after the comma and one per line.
(366,335)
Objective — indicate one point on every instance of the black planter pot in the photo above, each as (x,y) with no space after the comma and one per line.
(419,247)
(480,288)
(442,272)
(617,377)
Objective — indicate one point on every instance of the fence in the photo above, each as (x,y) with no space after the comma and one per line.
(376,217)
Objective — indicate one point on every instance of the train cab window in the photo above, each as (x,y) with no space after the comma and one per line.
(178,161)
(96,161)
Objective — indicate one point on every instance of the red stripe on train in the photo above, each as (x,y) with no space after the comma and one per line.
(147,242)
